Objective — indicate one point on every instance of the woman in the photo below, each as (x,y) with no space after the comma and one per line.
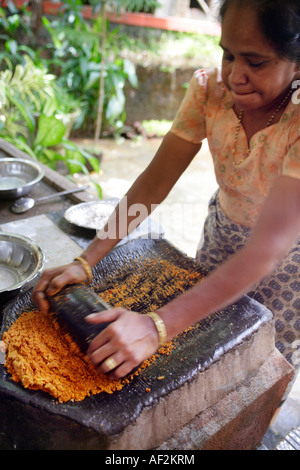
(251,122)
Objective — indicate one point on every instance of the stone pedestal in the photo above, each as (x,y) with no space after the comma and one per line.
(240,420)
(227,407)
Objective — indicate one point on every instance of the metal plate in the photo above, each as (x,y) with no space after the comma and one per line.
(17,177)
(90,215)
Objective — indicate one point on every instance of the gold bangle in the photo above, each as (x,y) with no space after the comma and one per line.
(160,326)
(87,268)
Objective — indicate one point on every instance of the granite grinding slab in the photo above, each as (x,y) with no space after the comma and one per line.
(33,419)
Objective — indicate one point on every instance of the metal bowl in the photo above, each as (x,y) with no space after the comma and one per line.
(21,260)
(18,176)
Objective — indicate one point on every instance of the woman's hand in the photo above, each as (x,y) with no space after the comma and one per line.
(53,280)
(124,344)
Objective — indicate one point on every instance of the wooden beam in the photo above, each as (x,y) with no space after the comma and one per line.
(143,20)
(204,6)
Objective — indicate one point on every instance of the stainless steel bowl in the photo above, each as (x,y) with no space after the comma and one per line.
(21,260)
(18,176)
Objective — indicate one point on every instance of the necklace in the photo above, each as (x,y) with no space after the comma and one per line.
(238,127)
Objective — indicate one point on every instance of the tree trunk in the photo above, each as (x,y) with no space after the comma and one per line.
(102,71)
(37,14)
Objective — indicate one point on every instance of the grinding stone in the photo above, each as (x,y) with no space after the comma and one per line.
(34,420)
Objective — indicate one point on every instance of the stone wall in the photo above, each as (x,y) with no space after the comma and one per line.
(159,93)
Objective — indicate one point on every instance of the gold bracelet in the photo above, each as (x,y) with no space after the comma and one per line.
(87,268)
(160,326)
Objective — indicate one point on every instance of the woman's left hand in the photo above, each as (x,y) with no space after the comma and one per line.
(124,344)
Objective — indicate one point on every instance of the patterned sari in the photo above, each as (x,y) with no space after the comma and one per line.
(280,291)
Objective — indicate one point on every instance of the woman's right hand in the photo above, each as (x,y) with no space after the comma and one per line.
(53,280)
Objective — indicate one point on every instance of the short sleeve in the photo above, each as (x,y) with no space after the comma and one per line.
(291,164)
(190,122)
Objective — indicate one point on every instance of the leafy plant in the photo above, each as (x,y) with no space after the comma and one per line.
(48,144)
(22,93)
(156,128)
(27,95)
(13,24)
(141,5)
(83,54)
(87,57)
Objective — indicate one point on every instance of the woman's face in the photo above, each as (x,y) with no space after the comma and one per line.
(251,68)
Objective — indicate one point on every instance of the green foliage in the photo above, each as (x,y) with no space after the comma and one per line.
(141,5)
(27,95)
(157,128)
(79,69)
(79,61)
(34,104)
(13,25)
(127,5)
(22,94)
(75,55)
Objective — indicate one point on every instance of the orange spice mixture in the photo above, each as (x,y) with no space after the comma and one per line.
(42,357)
(150,289)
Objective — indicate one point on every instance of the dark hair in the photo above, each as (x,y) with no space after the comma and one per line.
(280,21)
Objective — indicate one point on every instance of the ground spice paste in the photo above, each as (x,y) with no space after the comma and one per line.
(43,357)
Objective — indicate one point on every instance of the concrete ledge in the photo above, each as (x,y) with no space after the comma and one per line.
(240,420)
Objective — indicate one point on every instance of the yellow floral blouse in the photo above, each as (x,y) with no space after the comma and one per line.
(207,112)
